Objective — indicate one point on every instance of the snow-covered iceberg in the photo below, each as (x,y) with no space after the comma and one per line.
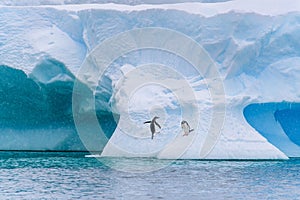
(254,46)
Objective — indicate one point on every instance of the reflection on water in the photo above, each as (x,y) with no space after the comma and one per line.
(36,175)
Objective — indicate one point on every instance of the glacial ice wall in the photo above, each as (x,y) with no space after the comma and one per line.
(36,109)
(257,54)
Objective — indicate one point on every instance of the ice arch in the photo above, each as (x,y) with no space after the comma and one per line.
(278,123)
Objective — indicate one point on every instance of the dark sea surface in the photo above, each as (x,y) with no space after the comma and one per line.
(56,175)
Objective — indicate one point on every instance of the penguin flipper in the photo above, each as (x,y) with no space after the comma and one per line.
(191,130)
(157,125)
(147,122)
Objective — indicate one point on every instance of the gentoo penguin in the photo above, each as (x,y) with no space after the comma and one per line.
(186,128)
(152,125)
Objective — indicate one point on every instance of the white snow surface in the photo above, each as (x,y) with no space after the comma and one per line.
(265,7)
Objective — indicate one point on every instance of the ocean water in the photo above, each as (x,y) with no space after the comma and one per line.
(48,175)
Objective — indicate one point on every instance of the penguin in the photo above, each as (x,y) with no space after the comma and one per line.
(152,125)
(186,128)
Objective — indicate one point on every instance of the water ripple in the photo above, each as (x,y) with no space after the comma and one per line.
(25,175)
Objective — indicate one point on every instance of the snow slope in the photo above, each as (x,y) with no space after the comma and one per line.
(254,45)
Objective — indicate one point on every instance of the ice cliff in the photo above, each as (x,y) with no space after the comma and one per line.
(254,46)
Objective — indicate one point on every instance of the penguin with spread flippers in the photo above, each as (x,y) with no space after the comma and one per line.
(186,128)
(152,125)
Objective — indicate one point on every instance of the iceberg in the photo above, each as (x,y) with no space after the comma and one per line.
(253,46)
(36,109)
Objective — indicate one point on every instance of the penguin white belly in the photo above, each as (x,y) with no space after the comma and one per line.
(185,128)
